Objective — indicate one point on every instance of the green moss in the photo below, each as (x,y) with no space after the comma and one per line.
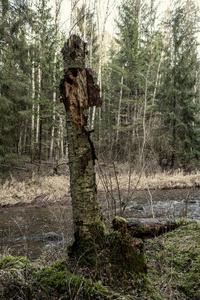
(86,250)
(114,261)
(14,262)
(124,257)
(120,219)
(61,283)
(58,281)
(115,255)
(53,282)
(98,230)
(175,260)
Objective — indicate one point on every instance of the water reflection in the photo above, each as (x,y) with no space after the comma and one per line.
(25,231)
(31,230)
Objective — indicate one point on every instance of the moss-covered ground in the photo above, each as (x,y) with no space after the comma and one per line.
(173,262)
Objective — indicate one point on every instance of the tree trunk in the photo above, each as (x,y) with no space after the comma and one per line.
(99,81)
(33,112)
(119,108)
(61,143)
(57,20)
(38,105)
(78,92)
(54,112)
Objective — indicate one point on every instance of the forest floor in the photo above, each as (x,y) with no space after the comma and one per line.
(31,184)
(172,259)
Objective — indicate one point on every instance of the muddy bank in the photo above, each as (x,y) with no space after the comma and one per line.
(42,200)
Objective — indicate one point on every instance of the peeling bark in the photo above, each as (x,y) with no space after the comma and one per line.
(78,92)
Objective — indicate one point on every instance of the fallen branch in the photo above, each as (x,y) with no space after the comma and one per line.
(146,227)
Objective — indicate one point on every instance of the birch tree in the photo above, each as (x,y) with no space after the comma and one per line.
(101,39)
(78,93)
(57,19)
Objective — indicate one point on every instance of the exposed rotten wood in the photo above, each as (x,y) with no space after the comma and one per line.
(74,52)
(76,97)
(78,92)
(93,90)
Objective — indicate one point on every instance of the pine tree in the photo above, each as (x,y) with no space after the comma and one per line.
(47,72)
(177,99)
(133,71)
(30,75)
(15,100)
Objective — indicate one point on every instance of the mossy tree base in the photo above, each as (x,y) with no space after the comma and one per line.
(115,254)
(173,271)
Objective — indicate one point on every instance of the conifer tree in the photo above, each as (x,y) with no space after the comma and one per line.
(15,101)
(178,96)
(133,69)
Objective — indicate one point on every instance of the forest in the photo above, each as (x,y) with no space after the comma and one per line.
(147,70)
(99,150)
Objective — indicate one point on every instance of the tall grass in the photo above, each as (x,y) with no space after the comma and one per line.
(110,180)
(42,189)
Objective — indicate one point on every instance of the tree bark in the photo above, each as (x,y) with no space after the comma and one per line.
(33,110)
(1,15)
(38,105)
(99,81)
(78,92)
(119,108)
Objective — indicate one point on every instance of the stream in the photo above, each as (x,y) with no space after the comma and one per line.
(31,230)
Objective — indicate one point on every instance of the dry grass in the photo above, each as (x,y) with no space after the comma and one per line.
(38,190)
(140,181)
(51,189)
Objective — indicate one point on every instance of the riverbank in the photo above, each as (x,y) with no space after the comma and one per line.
(42,190)
(173,273)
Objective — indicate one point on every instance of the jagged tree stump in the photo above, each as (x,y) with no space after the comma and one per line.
(78,92)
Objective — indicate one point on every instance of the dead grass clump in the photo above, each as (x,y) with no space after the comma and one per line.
(128,179)
(45,189)
(113,178)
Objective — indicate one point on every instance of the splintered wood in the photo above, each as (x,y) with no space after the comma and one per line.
(78,92)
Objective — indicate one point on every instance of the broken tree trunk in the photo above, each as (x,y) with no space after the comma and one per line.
(142,228)
(78,92)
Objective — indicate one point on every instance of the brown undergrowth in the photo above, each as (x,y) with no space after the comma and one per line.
(40,190)
(45,190)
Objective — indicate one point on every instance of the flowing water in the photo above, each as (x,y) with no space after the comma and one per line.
(30,230)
